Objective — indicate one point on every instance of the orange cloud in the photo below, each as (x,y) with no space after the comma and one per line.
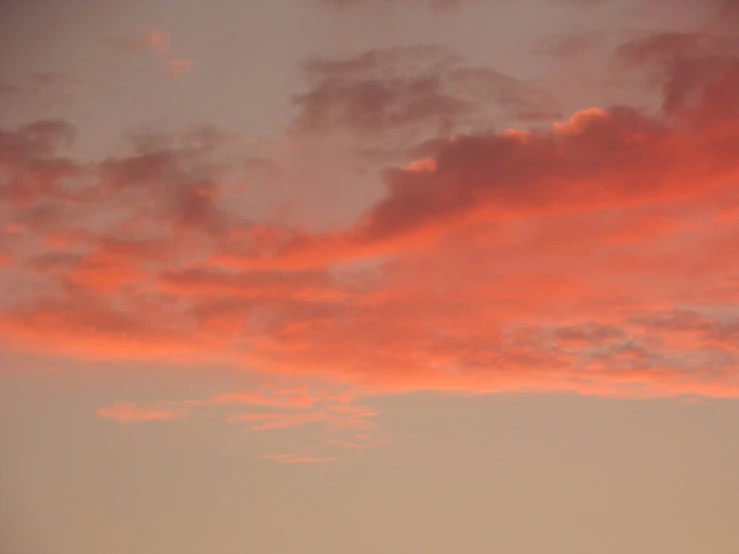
(281,407)
(131,413)
(298,398)
(265,421)
(336,417)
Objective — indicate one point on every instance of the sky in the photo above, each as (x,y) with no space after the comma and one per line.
(360,276)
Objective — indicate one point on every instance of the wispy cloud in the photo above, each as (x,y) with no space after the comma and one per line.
(358,442)
(297,459)
(132,413)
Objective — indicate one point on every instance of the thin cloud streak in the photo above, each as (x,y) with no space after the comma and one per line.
(131,413)
(297,459)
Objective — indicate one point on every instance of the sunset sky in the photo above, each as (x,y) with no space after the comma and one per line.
(369,276)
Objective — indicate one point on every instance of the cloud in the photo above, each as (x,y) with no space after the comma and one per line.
(411,90)
(265,421)
(599,159)
(37,93)
(349,444)
(131,413)
(275,407)
(593,256)
(553,242)
(340,416)
(158,42)
(290,398)
(263,285)
(297,459)
(357,442)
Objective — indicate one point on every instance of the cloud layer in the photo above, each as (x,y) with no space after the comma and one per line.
(595,254)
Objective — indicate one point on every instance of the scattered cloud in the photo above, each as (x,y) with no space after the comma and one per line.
(269,408)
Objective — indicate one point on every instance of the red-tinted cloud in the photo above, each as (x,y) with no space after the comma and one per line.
(600,159)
